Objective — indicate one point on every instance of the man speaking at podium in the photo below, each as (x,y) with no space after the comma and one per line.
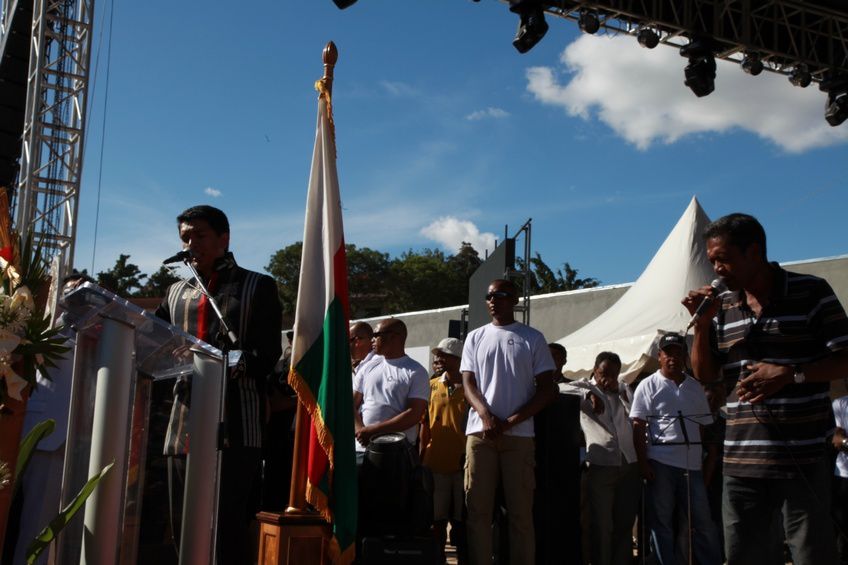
(251,308)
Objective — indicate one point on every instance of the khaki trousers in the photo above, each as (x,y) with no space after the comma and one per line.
(511,460)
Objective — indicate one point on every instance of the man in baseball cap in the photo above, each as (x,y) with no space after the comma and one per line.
(668,410)
(443,444)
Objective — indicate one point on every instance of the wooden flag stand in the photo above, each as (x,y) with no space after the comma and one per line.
(290,539)
(298,536)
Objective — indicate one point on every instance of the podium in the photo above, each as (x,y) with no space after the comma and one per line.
(120,351)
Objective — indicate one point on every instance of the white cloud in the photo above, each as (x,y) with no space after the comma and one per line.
(490,112)
(450,232)
(400,89)
(640,94)
(213,192)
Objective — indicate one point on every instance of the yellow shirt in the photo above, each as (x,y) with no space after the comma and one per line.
(448,411)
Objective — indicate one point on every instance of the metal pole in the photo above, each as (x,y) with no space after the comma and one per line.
(297,494)
(197,540)
(103,523)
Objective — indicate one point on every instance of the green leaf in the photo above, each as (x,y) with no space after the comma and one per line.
(48,534)
(35,435)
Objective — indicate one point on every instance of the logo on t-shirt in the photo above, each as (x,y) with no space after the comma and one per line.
(510,342)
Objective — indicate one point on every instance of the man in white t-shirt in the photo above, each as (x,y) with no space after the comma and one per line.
(391,392)
(668,410)
(361,351)
(840,480)
(507,373)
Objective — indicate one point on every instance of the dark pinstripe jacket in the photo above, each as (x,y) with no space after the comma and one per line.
(252,309)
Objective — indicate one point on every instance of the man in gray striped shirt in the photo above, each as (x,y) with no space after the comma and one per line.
(776,339)
(252,310)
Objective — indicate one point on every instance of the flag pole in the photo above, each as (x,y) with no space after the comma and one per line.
(297,491)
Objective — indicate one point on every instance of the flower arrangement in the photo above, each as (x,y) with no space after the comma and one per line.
(27,342)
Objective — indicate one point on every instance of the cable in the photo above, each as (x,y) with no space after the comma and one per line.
(103,136)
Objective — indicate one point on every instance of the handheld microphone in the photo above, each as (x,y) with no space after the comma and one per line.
(181,256)
(716,288)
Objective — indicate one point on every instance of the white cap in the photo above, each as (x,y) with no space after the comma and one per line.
(449,345)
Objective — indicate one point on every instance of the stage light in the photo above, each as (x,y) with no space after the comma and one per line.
(836,108)
(589,22)
(342,4)
(701,71)
(752,64)
(800,76)
(647,38)
(532,26)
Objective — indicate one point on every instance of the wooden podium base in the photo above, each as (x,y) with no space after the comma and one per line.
(292,539)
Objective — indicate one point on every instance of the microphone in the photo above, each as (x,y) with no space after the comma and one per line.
(181,256)
(716,288)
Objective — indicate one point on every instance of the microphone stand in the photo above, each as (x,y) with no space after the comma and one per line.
(228,342)
(682,421)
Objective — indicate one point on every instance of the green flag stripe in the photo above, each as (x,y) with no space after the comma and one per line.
(325,369)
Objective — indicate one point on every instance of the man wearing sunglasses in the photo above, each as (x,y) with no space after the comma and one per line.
(391,392)
(507,373)
(361,351)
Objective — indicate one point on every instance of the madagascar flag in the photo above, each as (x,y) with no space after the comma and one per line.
(320,364)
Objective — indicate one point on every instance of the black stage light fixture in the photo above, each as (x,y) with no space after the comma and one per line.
(589,22)
(836,107)
(701,71)
(647,38)
(532,26)
(752,64)
(800,76)
(342,4)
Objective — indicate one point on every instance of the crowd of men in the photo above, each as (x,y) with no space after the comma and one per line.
(726,446)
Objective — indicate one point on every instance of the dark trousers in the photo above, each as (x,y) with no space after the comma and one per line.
(750,508)
(237,502)
(840,513)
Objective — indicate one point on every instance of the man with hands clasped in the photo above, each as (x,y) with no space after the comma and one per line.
(507,375)
(777,339)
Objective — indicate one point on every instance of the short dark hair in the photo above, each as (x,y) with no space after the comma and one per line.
(362,329)
(609,357)
(559,347)
(740,230)
(508,284)
(216,219)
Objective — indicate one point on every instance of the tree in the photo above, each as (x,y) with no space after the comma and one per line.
(545,280)
(124,279)
(284,267)
(368,273)
(421,281)
(416,280)
(157,284)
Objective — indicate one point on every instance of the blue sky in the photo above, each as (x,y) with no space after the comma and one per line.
(444,133)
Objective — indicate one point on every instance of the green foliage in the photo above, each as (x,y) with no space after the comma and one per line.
(124,279)
(48,534)
(285,268)
(40,431)
(157,283)
(545,280)
(416,280)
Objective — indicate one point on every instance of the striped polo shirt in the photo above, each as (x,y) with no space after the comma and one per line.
(803,322)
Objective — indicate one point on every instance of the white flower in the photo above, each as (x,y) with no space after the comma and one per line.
(22,299)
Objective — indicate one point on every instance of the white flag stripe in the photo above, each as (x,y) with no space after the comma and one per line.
(322,237)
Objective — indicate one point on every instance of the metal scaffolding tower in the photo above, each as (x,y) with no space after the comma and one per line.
(48,185)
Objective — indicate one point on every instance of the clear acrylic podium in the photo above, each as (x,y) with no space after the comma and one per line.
(120,351)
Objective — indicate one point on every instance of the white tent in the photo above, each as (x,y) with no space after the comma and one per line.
(630,326)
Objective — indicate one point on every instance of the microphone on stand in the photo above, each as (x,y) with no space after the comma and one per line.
(716,288)
(181,256)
